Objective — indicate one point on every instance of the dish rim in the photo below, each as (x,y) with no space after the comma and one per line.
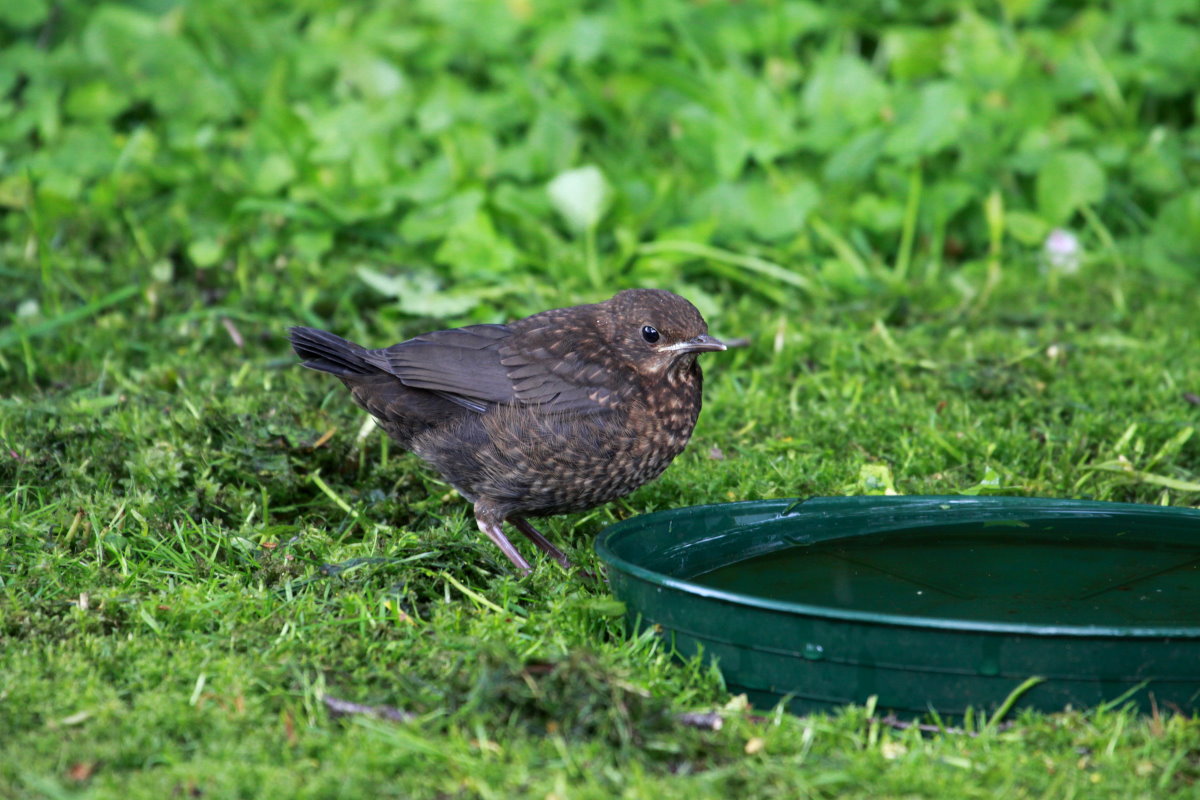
(610,538)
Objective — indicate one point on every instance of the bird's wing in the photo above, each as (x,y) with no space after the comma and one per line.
(480,365)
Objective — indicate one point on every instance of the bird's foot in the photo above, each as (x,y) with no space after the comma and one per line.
(535,536)
(488,522)
(543,544)
(492,531)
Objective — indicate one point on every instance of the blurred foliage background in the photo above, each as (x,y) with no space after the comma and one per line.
(374,164)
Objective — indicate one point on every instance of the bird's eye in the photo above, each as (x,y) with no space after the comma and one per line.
(650,334)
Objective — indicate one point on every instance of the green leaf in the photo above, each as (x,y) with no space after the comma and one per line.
(273,173)
(205,252)
(550,146)
(842,93)
(876,479)
(913,53)
(152,62)
(730,148)
(1028,229)
(95,100)
(948,197)
(978,54)
(856,159)
(419,293)
(991,483)
(1177,226)
(930,121)
(757,207)
(312,245)
(1159,167)
(433,221)
(597,606)
(1067,181)
(374,77)
(24,14)
(580,196)
(1018,9)
(882,214)
(473,248)
(1168,51)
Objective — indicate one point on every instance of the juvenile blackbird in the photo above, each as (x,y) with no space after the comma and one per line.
(554,413)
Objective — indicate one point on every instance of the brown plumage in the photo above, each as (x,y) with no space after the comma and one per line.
(554,413)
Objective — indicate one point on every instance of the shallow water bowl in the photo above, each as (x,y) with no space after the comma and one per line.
(926,603)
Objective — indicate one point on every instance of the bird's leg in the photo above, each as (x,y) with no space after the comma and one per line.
(535,536)
(489,522)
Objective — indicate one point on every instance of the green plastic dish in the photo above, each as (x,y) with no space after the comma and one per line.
(926,603)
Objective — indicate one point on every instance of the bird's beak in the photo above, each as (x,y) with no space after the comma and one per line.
(701,344)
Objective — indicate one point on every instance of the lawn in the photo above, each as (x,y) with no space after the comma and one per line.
(962,239)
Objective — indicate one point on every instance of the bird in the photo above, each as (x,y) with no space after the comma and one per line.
(555,413)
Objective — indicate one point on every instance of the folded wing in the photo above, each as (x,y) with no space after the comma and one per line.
(482,365)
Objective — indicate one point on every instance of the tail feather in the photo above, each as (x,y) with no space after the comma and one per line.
(327,352)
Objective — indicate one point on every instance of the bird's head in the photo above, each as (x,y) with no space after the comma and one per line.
(656,331)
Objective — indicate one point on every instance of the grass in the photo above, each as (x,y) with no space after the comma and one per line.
(192,563)
(199,542)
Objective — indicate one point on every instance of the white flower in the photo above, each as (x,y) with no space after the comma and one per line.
(1062,252)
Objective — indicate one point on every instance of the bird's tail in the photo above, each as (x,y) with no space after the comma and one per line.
(327,352)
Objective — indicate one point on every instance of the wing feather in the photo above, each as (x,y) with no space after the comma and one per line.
(482,365)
